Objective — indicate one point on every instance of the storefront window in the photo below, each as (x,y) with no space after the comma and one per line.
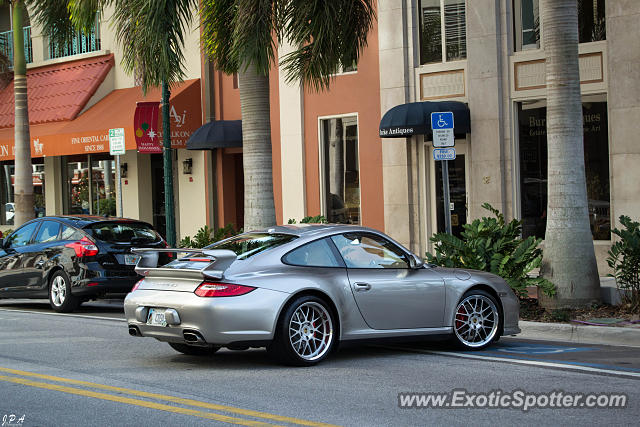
(526,15)
(533,168)
(7,190)
(340,169)
(432,14)
(90,182)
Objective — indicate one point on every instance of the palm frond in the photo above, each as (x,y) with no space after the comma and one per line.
(151,33)
(330,34)
(217,18)
(83,12)
(253,41)
(54,18)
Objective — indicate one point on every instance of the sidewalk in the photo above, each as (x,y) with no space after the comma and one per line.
(570,333)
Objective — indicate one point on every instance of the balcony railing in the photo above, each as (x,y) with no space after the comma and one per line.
(81,43)
(6,44)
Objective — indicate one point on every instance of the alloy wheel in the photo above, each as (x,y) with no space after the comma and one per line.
(58,291)
(311,331)
(476,321)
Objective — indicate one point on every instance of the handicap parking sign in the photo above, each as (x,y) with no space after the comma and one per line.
(442,120)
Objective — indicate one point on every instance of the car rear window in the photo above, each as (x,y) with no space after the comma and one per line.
(123,232)
(249,244)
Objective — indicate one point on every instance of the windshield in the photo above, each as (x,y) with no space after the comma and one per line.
(249,244)
(123,232)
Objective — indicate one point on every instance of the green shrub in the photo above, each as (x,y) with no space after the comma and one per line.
(318,219)
(624,259)
(206,236)
(490,244)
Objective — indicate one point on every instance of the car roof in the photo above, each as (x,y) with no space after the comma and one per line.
(310,230)
(84,220)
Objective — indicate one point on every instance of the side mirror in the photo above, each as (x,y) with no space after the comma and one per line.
(415,262)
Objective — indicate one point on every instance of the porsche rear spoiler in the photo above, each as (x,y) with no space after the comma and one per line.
(220,259)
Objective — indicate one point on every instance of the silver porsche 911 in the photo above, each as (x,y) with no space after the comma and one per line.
(298,290)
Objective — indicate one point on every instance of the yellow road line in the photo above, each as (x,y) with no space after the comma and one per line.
(179,400)
(135,402)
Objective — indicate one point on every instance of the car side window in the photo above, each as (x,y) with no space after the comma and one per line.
(363,250)
(70,233)
(314,254)
(48,232)
(22,236)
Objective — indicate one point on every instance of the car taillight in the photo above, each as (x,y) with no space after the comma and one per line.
(169,254)
(210,289)
(84,247)
(136,285)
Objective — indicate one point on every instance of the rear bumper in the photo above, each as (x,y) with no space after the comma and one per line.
(102,285)
(220,321)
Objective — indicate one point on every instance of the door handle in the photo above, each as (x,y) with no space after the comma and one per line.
(362,286)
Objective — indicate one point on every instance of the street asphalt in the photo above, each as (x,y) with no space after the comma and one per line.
(84,369)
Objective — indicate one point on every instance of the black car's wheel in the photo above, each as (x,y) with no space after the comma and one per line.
(60,296)
(193,350)
(477,320)
(305,333)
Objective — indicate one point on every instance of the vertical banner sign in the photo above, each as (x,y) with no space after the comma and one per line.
(145,125)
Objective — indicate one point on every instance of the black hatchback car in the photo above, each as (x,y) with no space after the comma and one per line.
(71,259)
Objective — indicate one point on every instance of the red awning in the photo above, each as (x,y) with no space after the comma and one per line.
(57,92)
(89,132)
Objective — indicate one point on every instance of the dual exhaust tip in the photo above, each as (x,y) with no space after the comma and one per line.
(190,336)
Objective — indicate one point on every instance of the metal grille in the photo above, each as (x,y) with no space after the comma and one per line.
(6,45)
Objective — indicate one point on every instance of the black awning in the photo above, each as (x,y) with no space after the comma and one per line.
(414,118)
(216,134)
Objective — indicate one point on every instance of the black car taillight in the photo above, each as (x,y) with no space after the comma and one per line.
(84,247)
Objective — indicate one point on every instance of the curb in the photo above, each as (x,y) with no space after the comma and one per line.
(604,335)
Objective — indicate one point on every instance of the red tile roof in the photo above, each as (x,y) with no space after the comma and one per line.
(57,92)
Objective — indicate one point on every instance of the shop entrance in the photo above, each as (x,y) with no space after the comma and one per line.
(157,194)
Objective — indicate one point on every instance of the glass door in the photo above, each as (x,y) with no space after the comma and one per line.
(457,191)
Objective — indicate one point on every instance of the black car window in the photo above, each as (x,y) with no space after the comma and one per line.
(123,232)
(314,254)
(22,236)
(70,233)
(248,244)
(48,232)
(363,250)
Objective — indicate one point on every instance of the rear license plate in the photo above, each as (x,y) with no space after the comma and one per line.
(156,317)
(131,259)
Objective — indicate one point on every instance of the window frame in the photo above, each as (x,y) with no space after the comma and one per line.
(321,161)
(335,253)
(369,234)
(57,239)
(517,27)
(443,35)
(36,222)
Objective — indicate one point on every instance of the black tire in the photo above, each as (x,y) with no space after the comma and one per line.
(320,336)
(60,296)
(193,350)
(482,326)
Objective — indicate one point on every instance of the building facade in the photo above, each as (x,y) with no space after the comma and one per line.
(76,94)
(487,55)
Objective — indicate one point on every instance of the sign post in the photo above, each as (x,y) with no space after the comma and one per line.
(442,127)
(117,148)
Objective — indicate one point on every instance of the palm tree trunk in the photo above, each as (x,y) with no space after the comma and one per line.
(23,184)
(569,259)
(259,208)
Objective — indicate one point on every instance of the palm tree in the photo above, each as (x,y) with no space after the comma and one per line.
(569,259)
(23,175)
(241,36)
